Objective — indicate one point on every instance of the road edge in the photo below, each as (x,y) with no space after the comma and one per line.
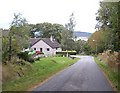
(41,83)
(107,78)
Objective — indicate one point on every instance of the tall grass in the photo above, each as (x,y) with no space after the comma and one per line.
(114,76)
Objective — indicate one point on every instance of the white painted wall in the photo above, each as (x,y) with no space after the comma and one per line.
(58,50)
(44,46)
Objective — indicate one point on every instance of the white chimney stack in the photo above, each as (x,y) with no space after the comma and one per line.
(51,38)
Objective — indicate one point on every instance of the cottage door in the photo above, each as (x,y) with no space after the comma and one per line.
(41,50)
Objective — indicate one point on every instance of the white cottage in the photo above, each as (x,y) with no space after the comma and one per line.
(48,46)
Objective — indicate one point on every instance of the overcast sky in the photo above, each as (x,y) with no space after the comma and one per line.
(53,11)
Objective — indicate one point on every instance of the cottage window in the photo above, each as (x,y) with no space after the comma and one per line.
(48,49)
(34,48)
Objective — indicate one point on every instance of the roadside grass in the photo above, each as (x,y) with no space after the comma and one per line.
(113,76)
(41,70)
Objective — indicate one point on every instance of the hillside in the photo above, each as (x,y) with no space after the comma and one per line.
(81,34)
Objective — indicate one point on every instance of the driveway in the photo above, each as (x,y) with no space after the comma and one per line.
(84,75)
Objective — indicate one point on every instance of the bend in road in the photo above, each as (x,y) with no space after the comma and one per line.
(84,75)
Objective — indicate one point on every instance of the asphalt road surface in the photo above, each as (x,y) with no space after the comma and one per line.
(84,75)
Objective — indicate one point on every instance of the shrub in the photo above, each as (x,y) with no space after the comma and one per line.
(8,73)
(25,56)
(19,68)
(111,59)
(42,53)
(31,60)
(59,55)
(65,52)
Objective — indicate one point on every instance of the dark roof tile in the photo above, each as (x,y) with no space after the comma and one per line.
(53,44)
(34,40)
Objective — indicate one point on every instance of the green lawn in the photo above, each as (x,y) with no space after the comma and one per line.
(41,70)
(112,75)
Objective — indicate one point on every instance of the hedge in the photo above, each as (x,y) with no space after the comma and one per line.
(65,52)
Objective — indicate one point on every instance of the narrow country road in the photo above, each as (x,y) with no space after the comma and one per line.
(84,75)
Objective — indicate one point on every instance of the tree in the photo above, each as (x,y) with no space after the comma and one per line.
(18,35)
(66,41)
(0,44)
(67,34)
(57,30)
(101,40)
(94,41)
(45,30)
(71,25)
(32,31)
(108,18)
(5,47)
(87,49)
(79,46)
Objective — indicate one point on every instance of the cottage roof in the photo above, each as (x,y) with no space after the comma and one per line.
(53,43)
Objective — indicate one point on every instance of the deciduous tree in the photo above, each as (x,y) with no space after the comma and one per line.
(17,37)
(108,17)
(67,34)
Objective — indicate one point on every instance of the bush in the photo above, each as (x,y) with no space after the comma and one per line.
(8,73)
(42,53)
(65,52)
(111,58)
(25,56)
(31,60)
(17,69)
(59,55)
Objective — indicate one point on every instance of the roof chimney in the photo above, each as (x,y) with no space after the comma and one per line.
(51,38)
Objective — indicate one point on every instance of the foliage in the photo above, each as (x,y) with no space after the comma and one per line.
(25,56)
(45,30)
(108,20)
(67,41)
(31,34)
(100,41)
(15,71)
(18,35)
(79,46)
(108,34)
(111,58)
(5,48)
(58,55)
(19,31)
(87,49)
(65,52)
(57,28)
(112,75)
(0,46)
(70,26)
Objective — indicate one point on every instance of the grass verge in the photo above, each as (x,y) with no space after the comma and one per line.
(41,70)
(112,75)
